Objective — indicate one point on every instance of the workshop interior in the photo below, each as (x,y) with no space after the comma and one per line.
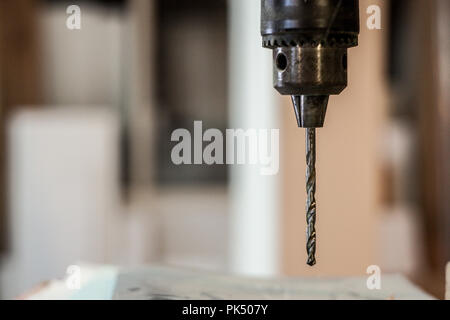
(357,92)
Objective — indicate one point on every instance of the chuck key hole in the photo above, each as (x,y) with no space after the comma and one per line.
(281,61)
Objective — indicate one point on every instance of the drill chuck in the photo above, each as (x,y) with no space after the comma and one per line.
(309,39)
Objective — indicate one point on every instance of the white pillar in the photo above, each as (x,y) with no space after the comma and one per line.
(63,193)
(254,236)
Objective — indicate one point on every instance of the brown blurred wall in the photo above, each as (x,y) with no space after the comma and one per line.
(19,75)
(432,29)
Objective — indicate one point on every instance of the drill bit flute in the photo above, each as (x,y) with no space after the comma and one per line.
(309,39)
(311,195)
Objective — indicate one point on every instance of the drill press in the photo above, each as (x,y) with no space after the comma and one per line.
(309,39)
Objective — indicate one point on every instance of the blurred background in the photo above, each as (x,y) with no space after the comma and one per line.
(86,118)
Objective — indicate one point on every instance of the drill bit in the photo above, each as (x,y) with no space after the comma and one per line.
(311,191)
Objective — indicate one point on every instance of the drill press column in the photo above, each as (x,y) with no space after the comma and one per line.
(309,39)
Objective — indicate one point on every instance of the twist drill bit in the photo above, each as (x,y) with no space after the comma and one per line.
(311,191)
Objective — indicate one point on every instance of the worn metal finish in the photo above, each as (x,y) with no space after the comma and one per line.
(310,71)
(309,22)
(310,110)
(311,193)
(309,39)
